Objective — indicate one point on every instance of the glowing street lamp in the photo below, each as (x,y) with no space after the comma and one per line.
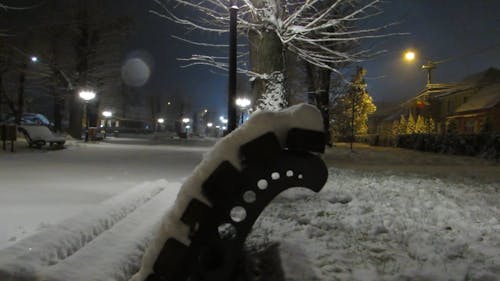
(34,59)
(210,125)
(242,103)
(410,56)
(185,120)
(161,120)
(107,114)
(86,96)
(223,120)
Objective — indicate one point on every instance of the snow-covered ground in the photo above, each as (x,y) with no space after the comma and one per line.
(385,214)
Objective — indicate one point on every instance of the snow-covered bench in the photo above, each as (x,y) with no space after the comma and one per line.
(38,136)
(147,234)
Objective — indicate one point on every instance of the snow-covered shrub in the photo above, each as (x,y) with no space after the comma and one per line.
(484,145)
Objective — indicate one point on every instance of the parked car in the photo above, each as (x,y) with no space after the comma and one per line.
(31,119)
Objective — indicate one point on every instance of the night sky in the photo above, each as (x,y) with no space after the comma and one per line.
(464,32)
(467,32)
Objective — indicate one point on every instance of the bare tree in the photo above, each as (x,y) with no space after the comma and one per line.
(311,29)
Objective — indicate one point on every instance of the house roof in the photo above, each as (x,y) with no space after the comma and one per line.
(489,76)
(487,97)
(474,81)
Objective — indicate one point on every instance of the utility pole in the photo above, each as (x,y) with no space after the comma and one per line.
(429,67)
(231,100)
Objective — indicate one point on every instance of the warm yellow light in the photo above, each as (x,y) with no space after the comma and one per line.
(409,55)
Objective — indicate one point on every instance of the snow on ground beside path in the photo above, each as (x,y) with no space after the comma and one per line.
(371,226)
(57,243)
(390,160)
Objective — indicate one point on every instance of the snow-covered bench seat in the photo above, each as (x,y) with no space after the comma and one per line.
(37,136)
(103,243)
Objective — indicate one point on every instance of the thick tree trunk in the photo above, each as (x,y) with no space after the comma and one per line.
(323,100)
(58,109)
(75,117)
(7,100)
(265,58)
(20,94)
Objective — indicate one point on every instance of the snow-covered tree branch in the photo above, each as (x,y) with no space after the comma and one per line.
(324,33)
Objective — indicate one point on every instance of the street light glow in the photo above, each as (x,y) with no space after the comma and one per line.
(185,120)
(107,114)
(409,55)
(210,125)
(34,59)
(243,102)
(223,120)
(187,126)
(87,95)
(161,120)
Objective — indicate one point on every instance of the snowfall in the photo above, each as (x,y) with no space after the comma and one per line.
(102,211)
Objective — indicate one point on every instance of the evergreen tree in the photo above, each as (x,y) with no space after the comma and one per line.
(395,128)
(420,125)
(430,126)
(351,109)
(402,125)
(410,126)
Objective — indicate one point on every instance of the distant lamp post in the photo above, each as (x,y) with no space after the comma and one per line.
(210,125)
(159,122)
(242,103)
(86,96)
(223,120)
(34,59)
(186,122)
(107,115)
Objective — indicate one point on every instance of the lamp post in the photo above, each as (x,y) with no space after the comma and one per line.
(86,96)
(106,114)
(186,126)
(231,113)
(160,123)
(242,103)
